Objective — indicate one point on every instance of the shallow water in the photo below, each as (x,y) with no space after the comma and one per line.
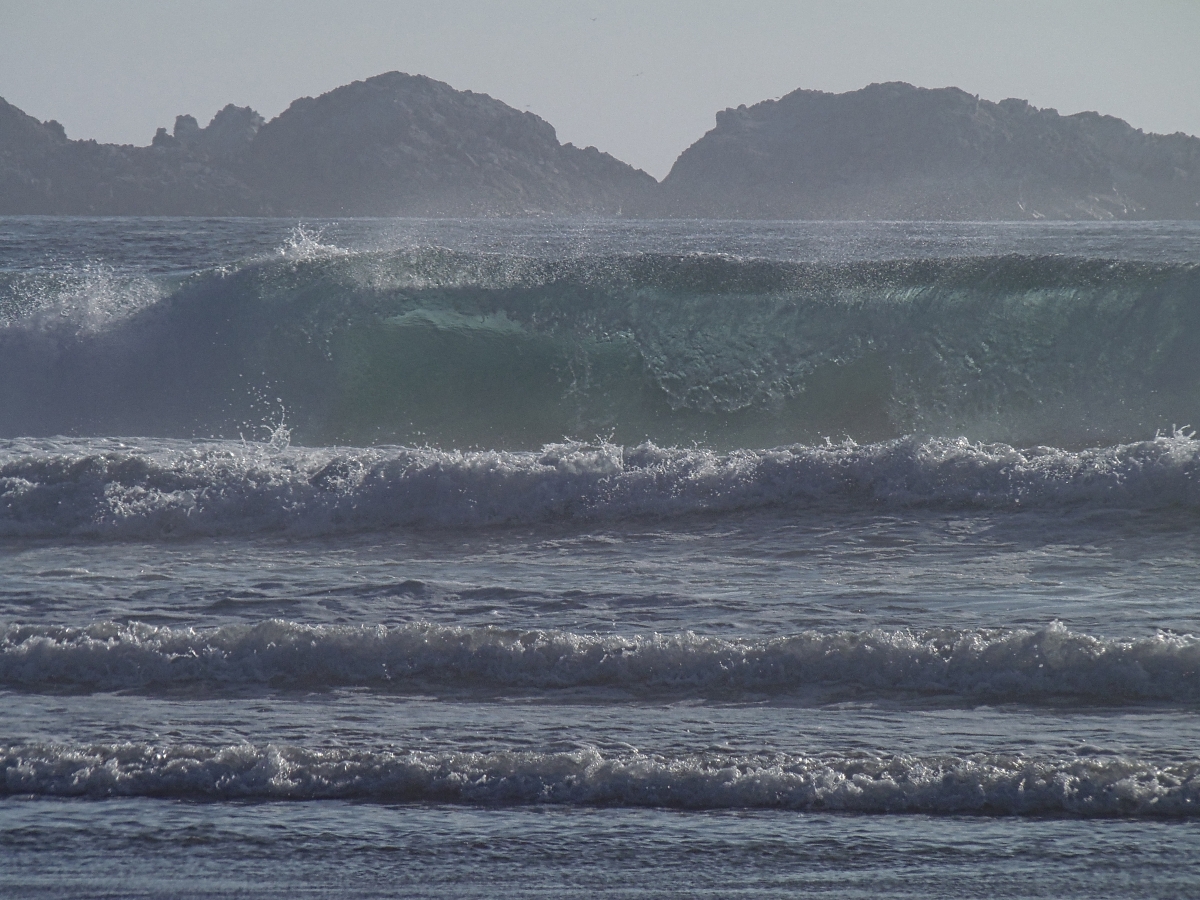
(949,651)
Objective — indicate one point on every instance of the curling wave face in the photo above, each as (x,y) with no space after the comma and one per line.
(1028,666)
(980,783)
(475,349)
(152,489)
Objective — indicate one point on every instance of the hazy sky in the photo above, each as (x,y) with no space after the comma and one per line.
(641,80)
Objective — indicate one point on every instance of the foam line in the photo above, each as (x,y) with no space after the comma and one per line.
(160,489)
(979,784)
(1019,665)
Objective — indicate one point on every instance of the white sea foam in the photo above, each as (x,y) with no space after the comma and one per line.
(1051,663)
(982,784)
(74,301)
(306,243)
(153,489)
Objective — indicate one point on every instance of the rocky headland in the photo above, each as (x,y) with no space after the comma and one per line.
(401,144)
(894,151)
(392,145)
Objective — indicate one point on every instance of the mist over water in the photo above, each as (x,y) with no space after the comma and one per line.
(592,542)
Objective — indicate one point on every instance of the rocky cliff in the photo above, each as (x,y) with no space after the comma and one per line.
(394,144)
(894,151)
(402,144)
(44,173)
(408,144)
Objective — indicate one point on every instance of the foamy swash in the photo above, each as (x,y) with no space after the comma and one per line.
(156,489)
(996,664)
(980,783)
(475,349)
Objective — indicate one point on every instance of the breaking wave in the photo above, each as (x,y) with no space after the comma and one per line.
(473,349)
(978,784)
(153,489)
(1050,664)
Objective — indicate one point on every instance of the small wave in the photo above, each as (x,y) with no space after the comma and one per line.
(1049,664)
(157,489)
(978,784)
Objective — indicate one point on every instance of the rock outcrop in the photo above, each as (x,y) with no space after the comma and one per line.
(408,144)
(894,151)
(44,173)
(402,144)
(392,145)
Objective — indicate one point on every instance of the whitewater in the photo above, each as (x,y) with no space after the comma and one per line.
(417,557)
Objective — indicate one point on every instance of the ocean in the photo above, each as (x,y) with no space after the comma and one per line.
(452,558)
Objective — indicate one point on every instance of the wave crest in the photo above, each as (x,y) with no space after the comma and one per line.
(980,784)
(110,489)
(476,349)
(999,665)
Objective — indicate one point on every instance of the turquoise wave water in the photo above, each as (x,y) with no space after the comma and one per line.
(475,349)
